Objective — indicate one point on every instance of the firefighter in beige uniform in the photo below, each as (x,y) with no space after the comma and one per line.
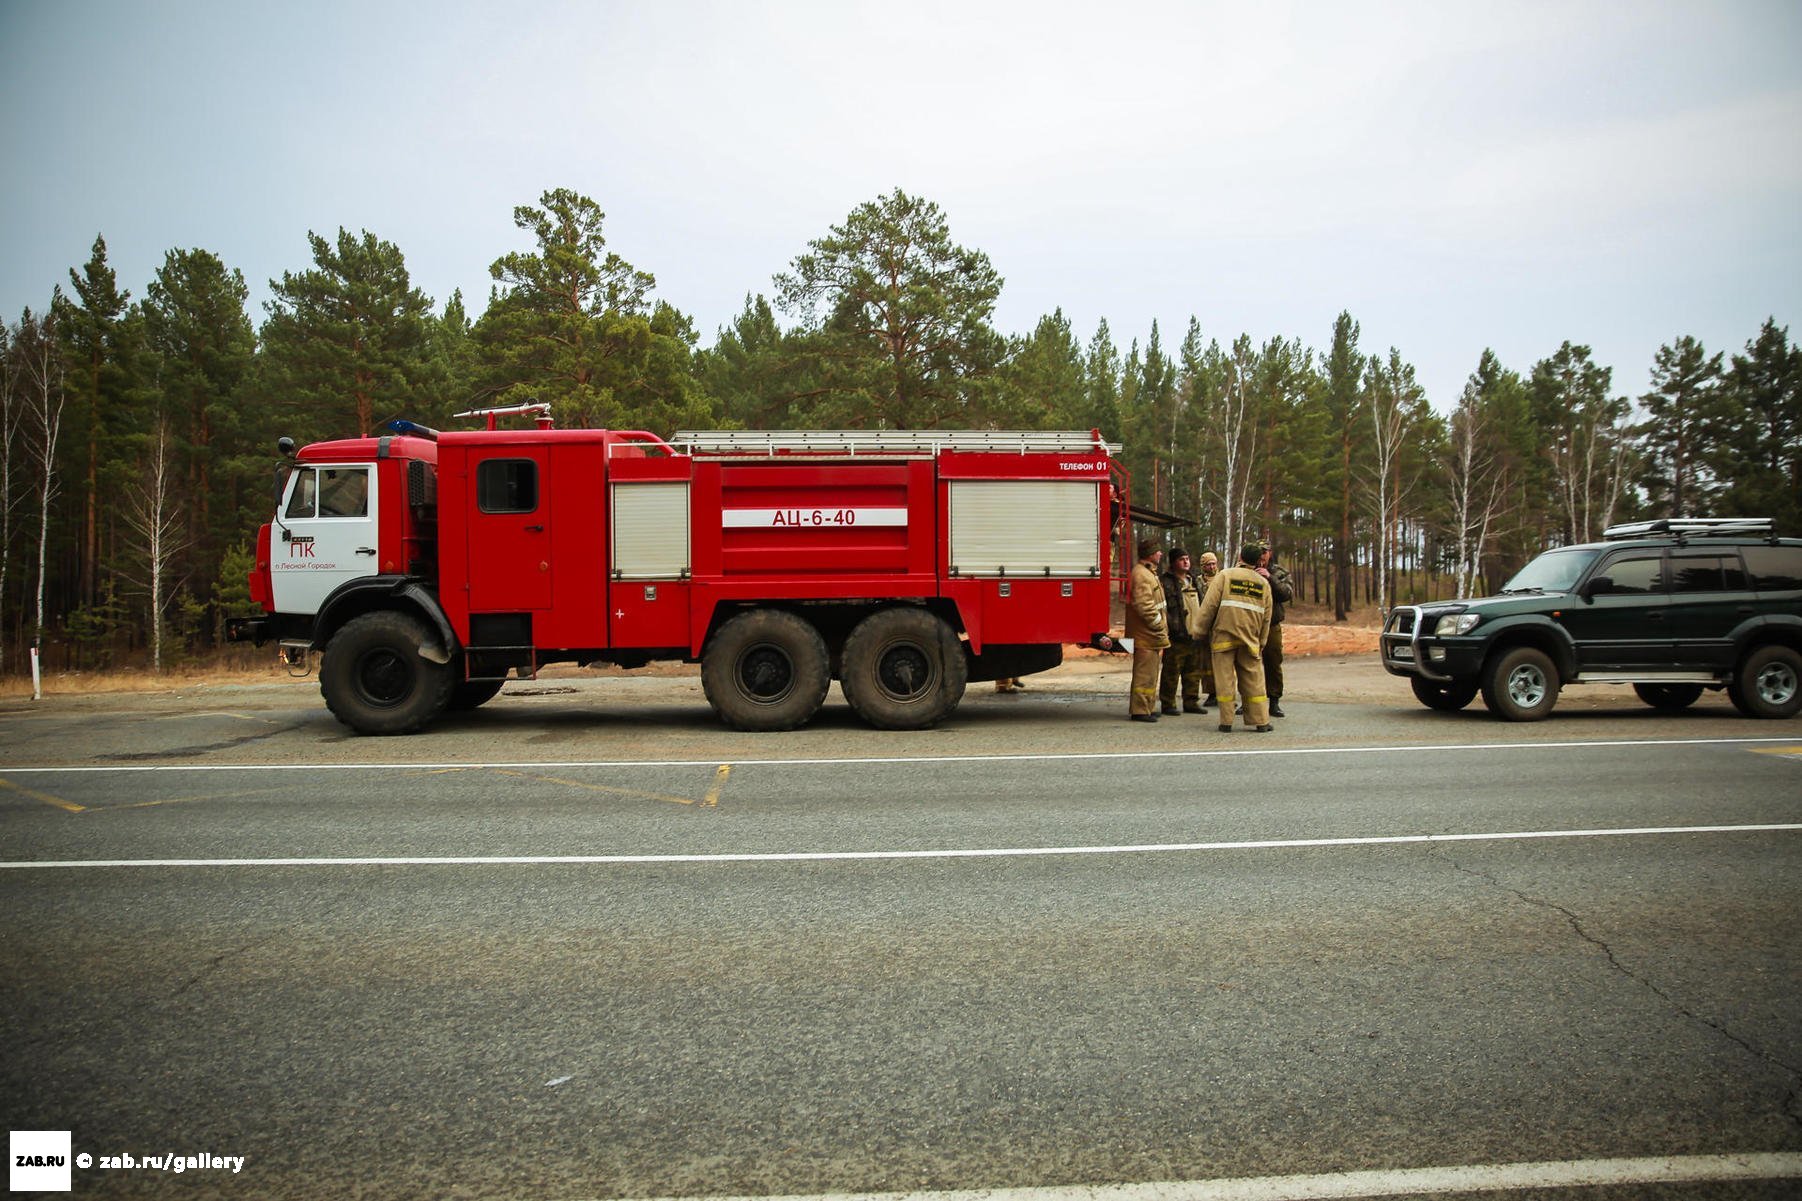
(1236,614)
(1148,629)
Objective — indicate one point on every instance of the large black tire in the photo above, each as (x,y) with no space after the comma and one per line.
(766,670)
(1521,685)
(1447,698)
(1669,698)
(1768,683)
(903,669)
(374,679)
(473,694)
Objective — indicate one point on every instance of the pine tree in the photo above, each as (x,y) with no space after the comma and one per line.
(202,343)
(345,341)
(91,333)
(1342,397)
(1042,384)
(1760,452)
(1684,414)
(571,324)
(901,315)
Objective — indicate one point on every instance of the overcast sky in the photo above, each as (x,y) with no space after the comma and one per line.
(1456,175)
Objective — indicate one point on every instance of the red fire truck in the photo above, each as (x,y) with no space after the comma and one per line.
(430,567)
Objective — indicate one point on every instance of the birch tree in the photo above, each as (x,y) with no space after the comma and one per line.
(1585,439)
(41,365)
(154,517)
(1474,476)
(12,414)
(1394,401)
(1236,432)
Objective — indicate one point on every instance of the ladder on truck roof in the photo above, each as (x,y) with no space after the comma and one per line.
(855,442)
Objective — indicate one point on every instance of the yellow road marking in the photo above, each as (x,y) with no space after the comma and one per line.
(182,800)
(627,792)
(719,781)
(45,797)
(1775,750)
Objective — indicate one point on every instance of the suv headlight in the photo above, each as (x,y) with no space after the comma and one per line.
(1455,623)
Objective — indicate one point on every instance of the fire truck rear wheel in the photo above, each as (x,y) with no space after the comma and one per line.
(903,669)
(766,670)
(374,680)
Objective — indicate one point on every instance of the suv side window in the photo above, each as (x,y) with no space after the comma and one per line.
(1707,573)
(1636,573)
(1775,568)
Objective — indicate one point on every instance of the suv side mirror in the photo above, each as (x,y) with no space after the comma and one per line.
(1599,586)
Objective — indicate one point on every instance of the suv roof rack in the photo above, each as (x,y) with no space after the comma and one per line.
(1682,528)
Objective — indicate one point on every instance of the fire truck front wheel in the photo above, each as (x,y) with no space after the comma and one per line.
(904,669)
(374,679)
(766,670)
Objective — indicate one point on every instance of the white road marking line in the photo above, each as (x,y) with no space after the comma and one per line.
(1068,757)
(1681,1169)
(851,856)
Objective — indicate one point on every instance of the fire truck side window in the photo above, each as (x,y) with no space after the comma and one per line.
(507,486)
(306,489)
(343,492)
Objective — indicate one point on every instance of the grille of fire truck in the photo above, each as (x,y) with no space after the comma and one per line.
(856,442)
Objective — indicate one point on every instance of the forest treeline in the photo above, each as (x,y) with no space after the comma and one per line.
(137,435)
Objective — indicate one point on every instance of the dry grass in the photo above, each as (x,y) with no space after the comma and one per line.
(227,668)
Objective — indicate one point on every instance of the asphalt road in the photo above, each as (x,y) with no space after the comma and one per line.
(541,953)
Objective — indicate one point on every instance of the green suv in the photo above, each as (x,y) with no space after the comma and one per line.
(1670,607)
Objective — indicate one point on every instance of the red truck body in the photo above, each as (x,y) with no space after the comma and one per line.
(498,551)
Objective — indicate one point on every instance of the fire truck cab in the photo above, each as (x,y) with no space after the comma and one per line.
(430,567)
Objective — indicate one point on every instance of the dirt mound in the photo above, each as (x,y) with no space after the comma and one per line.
(1327,640)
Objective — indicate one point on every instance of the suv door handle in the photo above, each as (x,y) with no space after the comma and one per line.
(534,529)
(365,550)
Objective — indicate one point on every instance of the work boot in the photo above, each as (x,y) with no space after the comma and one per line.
(1276,710)
(1226,729)
(1265,728)
(1195,707)
(1144,717)
(1172,711)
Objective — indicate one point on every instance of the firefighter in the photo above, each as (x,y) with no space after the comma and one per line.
(1209,567)
(1148,630)
(1182,662)
(1236,614)
(1282,590)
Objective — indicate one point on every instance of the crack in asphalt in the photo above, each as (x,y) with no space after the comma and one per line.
(219,961)
(183,751)
(1791,1106)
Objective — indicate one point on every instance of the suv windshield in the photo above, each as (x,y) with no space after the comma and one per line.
(1554,571)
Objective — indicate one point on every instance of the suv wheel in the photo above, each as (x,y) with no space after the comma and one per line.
(1447,698)
(1521,685)
(1669,698)
(1768,683)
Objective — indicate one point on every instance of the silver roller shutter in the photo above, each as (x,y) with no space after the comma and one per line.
(1025,528)
(650,531)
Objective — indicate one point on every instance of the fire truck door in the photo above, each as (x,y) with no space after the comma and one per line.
(510,531)
(325,535)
